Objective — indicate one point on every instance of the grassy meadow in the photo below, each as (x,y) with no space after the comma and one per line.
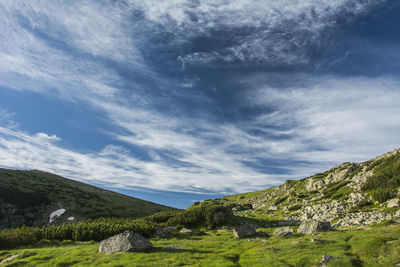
(364,246)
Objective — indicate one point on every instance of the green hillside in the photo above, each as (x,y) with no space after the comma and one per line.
(29,197)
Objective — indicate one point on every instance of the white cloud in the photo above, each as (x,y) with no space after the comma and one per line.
(353,118)
(278,32)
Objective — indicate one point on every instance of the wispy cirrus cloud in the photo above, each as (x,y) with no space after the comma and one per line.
(199,127)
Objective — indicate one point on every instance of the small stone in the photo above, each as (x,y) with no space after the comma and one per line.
(327,258)
(186,230)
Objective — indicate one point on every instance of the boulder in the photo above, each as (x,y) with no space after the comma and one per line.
(312,226)
(283,231)
(124,242)
(393,203)
(244,231)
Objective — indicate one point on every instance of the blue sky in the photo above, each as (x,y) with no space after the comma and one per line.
(178,101)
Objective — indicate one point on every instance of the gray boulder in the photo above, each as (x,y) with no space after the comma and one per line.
(393,203)
(312,226)
(283,231)
(245,230)
(124,242)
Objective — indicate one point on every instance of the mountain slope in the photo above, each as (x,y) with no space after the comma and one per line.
(31,197)
(350,194)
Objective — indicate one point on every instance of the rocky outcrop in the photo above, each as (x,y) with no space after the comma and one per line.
(124,242)
(242,207)
(337,175)
(324,212)
(363,218)
(243,231)
(312,226)
(283,231)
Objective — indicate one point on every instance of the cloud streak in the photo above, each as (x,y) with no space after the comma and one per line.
(175,128)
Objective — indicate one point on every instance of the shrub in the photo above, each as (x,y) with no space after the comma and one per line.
(337,190)
(381,195)
(95,230)
(386,174)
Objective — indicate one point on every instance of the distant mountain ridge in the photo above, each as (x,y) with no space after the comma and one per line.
(38,198)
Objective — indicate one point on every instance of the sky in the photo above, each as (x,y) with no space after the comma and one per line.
(180,101)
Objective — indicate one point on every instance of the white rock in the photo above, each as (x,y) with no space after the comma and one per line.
(56,214)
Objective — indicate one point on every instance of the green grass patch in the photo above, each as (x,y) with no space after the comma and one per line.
(378,246)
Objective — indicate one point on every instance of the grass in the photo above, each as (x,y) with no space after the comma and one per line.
(376,246)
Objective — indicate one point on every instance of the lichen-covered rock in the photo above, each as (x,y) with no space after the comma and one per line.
(393,203)
(124,242)
(312,226)
(283,231)
(324,212)
(245,230)
(363,218)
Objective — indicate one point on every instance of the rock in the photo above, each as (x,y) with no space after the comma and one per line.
(312,226)
(324,211)
(326,258)
(273,208)
(363,218)
(124,242)
(242,207)
(244,231)
(8,259)
(283,231)
(356,198)
(186,230)
(393,203)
